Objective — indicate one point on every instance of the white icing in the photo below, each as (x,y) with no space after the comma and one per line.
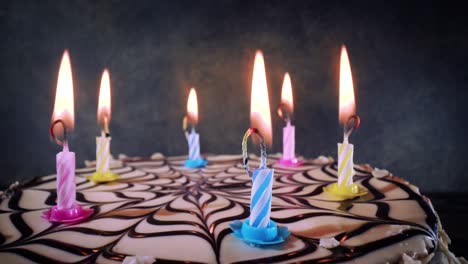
(158,196)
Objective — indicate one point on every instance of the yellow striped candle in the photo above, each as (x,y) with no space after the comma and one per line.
(102,153)
(345,164)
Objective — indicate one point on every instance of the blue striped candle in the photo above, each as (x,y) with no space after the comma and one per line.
(260,203)
(193,140)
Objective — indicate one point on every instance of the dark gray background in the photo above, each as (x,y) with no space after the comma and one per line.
(408,60)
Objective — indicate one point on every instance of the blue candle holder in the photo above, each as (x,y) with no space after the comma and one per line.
(259,236)
(195,163)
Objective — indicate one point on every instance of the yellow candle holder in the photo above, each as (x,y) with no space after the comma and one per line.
(345,192)
(99,177)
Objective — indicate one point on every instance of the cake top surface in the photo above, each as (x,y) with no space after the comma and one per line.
(160,208)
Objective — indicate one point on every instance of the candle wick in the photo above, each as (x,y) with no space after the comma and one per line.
(245,155)
(52,134)
(65,147)
(345,139)
(351,125)
(106,125)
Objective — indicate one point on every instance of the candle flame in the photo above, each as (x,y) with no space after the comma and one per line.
(64,106)
(104,104)
(192,106)
(260,116)
(347,103)
(286,93)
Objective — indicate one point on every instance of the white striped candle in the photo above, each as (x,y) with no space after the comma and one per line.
(345,164)
(102,153)
(289,142)
(193,140)
(66,187)
(260,202)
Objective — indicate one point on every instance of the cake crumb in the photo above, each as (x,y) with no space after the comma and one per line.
(329,242)
(157,155)
(378,173)
(409,260)
(322,160)
(138,260)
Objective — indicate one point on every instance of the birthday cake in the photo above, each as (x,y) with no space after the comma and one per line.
(161,209)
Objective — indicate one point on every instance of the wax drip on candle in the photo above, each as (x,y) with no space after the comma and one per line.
(245,154)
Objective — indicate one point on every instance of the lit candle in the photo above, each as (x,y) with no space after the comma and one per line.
(346,188)
(259,229)
(285,111)
(193,138)
(347,110)
(66,209)
(103,156)
(262,184)
(260,116)
(64,110)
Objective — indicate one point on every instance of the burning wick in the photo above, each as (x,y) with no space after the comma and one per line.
(106,127)
(245,154)
(351,125)
(284,112)
(63,142)
(186,121)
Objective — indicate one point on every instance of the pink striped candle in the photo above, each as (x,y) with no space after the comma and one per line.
(66,193)
(289,142)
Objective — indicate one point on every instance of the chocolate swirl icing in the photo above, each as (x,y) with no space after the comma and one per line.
(176,214)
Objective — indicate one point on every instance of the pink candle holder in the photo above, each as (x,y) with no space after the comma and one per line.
(76,213)
(290,162)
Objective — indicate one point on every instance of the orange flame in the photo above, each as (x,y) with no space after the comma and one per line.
(286,93)
(347,103)
(260,116)
(104,104)
(64,106)
(192,106)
